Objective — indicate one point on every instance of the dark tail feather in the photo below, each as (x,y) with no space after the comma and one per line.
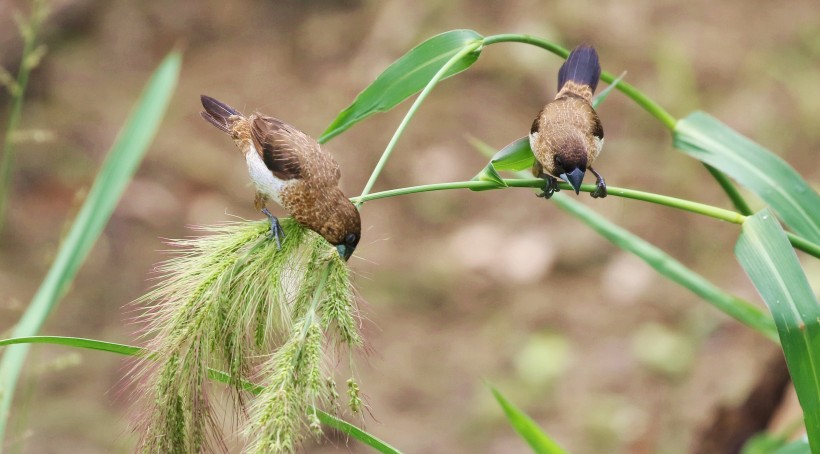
(581,67)
(217,113)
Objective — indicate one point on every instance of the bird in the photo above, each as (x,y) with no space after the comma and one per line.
(566,136)
(290,168)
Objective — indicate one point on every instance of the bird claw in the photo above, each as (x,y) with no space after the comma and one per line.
(276,231)
(600,186)
(550,187)
(600,189)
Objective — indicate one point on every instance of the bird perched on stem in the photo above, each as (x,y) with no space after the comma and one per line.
(567,136)
(288,166)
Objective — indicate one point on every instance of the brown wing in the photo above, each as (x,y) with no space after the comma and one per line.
(290,153)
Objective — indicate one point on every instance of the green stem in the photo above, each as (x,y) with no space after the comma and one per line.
(17,95)
(636,95)
(672,202)
(416,104)
(734,195)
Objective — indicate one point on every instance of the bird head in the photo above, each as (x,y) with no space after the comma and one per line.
(571,165)
(343,228)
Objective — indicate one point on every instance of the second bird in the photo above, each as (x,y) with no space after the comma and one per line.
(567,136)
(288,166)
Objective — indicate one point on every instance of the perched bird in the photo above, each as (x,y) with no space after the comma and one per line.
(567,136)
(288,166)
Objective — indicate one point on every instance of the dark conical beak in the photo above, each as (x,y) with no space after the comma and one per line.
(345,251)
(574,178)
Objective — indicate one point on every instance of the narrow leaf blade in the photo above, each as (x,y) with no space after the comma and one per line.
(515,156)
(601,97)
(405,77)
(115,174)
(707,139)
(540,442)
(767,257)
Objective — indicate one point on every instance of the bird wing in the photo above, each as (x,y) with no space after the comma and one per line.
(290,153)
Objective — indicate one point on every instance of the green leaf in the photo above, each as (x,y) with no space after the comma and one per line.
(129,350)
(764,173)
(76,342)
(540,442)
(601,97)
(767,257)
(405,77)
(513,157)
(116,172)
(667,266)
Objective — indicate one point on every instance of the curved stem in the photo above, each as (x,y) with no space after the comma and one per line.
(636,95)
(734,195)
(420,99)
(672,202)
(537,183)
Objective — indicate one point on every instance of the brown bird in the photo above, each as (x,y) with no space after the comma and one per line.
(288,166)
(567,136)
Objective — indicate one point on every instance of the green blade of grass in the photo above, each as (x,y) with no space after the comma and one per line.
(540,442)
(129,350)
(405,77)
(767,257)
(739,309)
(116,172)
(707,139)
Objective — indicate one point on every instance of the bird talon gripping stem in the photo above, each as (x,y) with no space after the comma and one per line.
(550,187)
(600,185)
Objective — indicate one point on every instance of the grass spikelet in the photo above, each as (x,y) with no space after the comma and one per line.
(231,300)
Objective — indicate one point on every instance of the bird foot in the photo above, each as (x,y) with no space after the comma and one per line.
(550,186)
(600,187)
(276,231)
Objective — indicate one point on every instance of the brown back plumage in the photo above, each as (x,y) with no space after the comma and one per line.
(309,177)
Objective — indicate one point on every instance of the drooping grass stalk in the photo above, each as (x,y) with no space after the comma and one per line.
(411,112)
(31,55)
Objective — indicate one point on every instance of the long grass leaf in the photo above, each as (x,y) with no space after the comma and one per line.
(707,139)
(116,172)
(540,442)
(767,257)
(405,77)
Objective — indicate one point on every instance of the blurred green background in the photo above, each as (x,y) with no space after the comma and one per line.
(458,288)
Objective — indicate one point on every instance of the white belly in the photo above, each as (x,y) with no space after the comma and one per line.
(263,178)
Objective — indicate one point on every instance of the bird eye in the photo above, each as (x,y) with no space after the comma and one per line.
(351,238)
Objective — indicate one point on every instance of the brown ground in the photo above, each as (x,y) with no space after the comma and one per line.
(462,288)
